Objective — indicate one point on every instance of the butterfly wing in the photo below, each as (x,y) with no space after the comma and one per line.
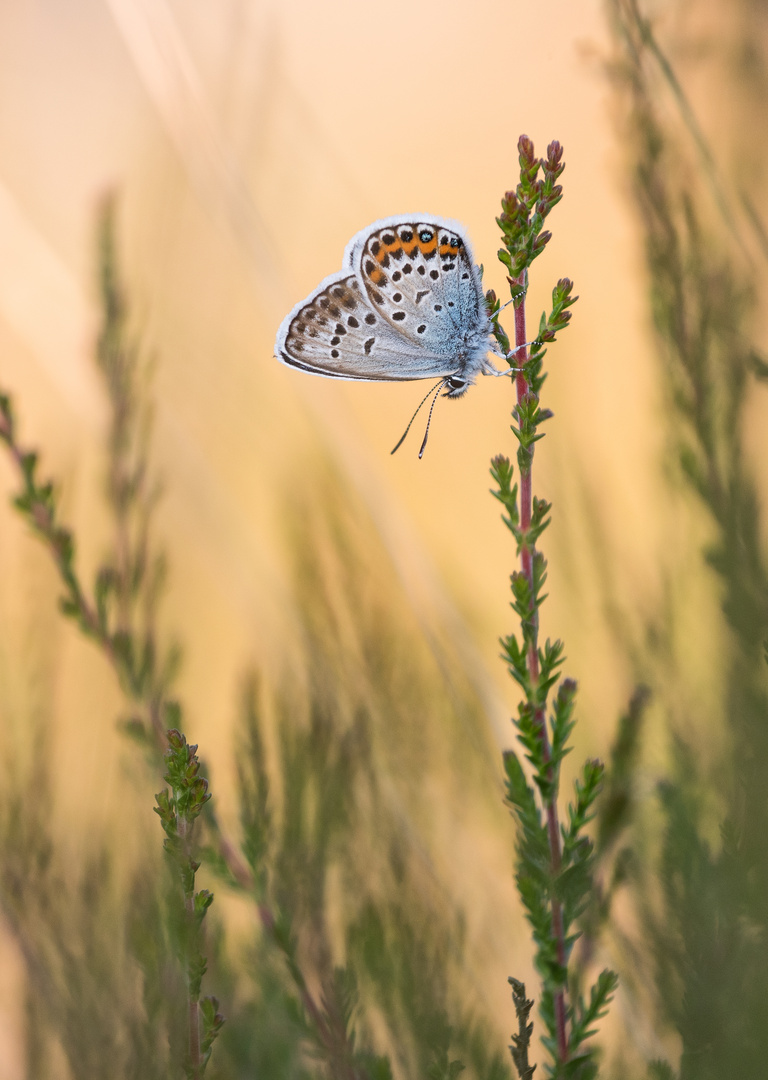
(417,271)
(337,333)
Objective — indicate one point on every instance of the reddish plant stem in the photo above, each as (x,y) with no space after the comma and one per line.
(526,559)
(193,1010)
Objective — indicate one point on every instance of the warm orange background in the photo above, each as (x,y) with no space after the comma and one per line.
(248,142)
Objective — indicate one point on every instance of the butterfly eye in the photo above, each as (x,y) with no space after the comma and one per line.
(456,384)
(425,236)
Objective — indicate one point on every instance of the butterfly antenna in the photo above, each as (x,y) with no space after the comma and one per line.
(429,418)
(402,437)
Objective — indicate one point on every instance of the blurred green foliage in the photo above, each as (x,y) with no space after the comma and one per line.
(700,959)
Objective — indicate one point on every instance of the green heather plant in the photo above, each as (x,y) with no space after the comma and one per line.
(555,865)
(377,987)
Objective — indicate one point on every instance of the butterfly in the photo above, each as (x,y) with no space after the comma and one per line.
(408,304)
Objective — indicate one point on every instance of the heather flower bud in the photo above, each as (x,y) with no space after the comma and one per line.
(554,155)
(525,148)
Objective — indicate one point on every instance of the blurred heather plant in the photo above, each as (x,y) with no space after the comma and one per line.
(702,954)
(555,864)
(118,614)
(102,994)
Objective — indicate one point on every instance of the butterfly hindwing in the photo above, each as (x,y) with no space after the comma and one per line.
(336,332)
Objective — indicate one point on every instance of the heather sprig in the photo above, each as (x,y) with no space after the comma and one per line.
(178,807)
(521,1042)
(555,863)
(524,210)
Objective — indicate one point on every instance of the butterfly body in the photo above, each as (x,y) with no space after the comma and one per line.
(408,304)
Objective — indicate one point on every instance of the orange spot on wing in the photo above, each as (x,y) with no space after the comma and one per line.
(390,249)
(377,276)
(448,249)
(429,246)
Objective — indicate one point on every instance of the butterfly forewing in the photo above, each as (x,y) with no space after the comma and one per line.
(418,273)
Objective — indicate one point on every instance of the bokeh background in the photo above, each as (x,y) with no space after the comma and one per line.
(246,142)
